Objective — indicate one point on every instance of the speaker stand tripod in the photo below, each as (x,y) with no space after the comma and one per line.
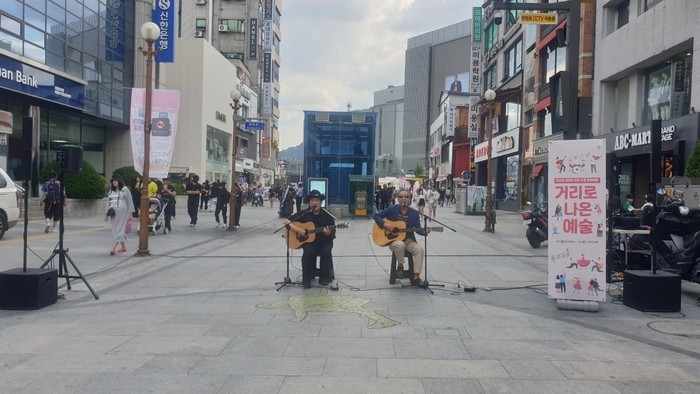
(62,253)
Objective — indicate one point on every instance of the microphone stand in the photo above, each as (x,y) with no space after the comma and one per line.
(287,280)
(425,253)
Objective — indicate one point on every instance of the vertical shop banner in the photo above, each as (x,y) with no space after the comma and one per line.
(265,148)
(577,230)
(477,28)
(267,98)
(164,16)
(475,70)
(116,31)
(253,39)
(267,36)
(267,10)
(473,117)
(449,121)
(267,67)
(165,107)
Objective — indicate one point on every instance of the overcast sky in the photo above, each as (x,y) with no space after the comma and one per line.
(339,51)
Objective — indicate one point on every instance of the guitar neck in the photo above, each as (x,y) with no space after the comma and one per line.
(320,229)
(404,230)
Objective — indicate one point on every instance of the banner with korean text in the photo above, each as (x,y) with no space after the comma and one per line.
(165,107)
(576,211)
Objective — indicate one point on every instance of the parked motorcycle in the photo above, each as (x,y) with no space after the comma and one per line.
(536,222)
(677,238)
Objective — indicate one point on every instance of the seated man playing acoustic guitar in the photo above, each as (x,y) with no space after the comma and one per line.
(403,212)
(321,246)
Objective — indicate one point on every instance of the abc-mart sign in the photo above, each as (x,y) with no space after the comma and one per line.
(503,144)
(630,140)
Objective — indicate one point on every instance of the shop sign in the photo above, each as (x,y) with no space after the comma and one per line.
(267,36)
(164,16)
(630,140)
(22,78)
(253,43)
(220,117)
(494,50)
(116,31)
(268,9)
(477,27)
(504,144)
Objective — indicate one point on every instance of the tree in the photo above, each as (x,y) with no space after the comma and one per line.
(88,185)
(128,173)
(692,169)
(419,171)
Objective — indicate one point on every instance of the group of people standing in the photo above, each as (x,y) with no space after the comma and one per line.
(421,198)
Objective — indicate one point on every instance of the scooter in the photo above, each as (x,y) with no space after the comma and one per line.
(536,222)
(676,238)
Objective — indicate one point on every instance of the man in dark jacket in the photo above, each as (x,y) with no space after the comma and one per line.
(322,246)
(222,199)
(403,212)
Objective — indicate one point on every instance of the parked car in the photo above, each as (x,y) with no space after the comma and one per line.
(10,197)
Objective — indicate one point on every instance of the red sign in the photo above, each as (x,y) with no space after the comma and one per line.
(266,147)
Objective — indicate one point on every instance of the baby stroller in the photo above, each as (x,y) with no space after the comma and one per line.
(156,215)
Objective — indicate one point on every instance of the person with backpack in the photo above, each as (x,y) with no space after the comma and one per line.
(51,197)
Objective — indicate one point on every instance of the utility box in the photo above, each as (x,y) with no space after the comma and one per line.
(361,195)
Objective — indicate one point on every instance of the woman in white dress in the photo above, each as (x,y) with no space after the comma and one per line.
(119,202)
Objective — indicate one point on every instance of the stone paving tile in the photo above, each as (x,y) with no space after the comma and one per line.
(627,351)
(546,386)
(347,347)
(174,345)
(410,368)
(532,370)
(286,330)
(19,344)
(235,365)
(692,368)
(239,319)
(257,347)
(350,367)
(84,363)
(345,331)
(644,387)
(170,365)
(623,371)
(229,330)
(115,383)
(13,380)
(252,384)
(52,383)
(505,333)
(451,386)
(685,388)
(78,346)
(426,349)
(169,329)
(350,385)
(188,319)
(498,321)
(520,350)
(399,331)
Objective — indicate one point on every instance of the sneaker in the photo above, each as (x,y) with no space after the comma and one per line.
(237,226)
(218,225)
(418,282)
(323,281)
(54,230)
(306,284)
(399,272)
(48,228)
(191,224)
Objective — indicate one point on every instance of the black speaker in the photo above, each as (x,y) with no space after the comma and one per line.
(655,151)
(69,158)
(25,170)
(33,289)
(649,292)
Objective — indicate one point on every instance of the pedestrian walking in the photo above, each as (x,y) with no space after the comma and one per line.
(300,196)
(52,191)
(204,196)
(221,203)
(193,191)
(272,196)
(118,211)
(431,199)
(169,194)
(238,200)
(448,197)
(136,196)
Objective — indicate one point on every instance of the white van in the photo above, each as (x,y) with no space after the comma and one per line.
(10,197)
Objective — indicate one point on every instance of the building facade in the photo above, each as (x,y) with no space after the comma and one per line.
(67,65)
(389,107)
(338,145)
(644,74)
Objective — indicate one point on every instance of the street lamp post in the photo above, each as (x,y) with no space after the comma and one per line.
(235,96)
(490,95)
(150,33)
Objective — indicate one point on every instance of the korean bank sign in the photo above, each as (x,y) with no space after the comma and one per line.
(22,78)
(164,16)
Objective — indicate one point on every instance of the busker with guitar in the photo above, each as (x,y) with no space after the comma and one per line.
(322,245)
(402,212)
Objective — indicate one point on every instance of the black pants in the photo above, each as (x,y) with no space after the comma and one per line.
(169,210)
(192,211)
(298,198)
(204,202)
(322,249)
(237,217)
(223,213)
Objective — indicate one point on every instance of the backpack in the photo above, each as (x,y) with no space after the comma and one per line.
(53,192)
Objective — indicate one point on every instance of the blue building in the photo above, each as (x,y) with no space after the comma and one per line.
(336,146)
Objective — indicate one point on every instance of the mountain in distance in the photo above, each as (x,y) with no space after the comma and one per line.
(294,152)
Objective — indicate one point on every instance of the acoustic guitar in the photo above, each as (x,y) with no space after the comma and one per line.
(294,240)
(383,237)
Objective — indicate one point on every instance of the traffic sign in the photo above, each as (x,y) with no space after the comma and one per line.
(255,126)
(539,18)
(466,175)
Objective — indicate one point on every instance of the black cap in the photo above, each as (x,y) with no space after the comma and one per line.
(315,194)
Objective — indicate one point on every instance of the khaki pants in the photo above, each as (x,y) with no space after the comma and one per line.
(408,245)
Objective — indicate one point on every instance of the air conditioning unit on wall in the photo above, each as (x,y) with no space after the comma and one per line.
(223,27)
(199,34)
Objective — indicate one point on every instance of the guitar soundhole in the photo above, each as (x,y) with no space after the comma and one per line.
(392,235)
(302,238)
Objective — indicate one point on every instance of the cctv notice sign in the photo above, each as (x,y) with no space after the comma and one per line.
(540,19)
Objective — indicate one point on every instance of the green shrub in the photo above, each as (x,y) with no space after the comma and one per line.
(129,174)
(179,188)
(692,169)
(88,185)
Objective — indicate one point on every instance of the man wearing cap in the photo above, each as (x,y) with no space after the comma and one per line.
(322,246)
(221,203)
(402,211)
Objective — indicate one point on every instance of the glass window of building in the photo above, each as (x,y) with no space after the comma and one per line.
(491,37)
(512,179)
(10,25)
(668,87)
(200,24)
(234,25)
(514,60)
(512,116)
(650,3)
(34,17)
(512,16)
(39,5)
(490,78)
(555,61)
(623,13)
(13,8)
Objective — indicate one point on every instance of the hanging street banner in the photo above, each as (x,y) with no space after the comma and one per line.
(473,131)
(164,16)
(165,107)
(477,28)
(253,43)
(577,230)
(267,98)
(265,148)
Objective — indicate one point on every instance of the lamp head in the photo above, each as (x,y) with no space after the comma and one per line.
(490,95)
(235,95)
(150,31)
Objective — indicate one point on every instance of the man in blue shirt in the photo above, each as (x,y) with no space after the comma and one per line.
(403,212)
(300,196)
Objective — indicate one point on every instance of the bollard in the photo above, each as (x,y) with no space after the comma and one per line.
(577,305)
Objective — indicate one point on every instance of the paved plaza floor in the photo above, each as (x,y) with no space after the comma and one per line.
(202,314)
